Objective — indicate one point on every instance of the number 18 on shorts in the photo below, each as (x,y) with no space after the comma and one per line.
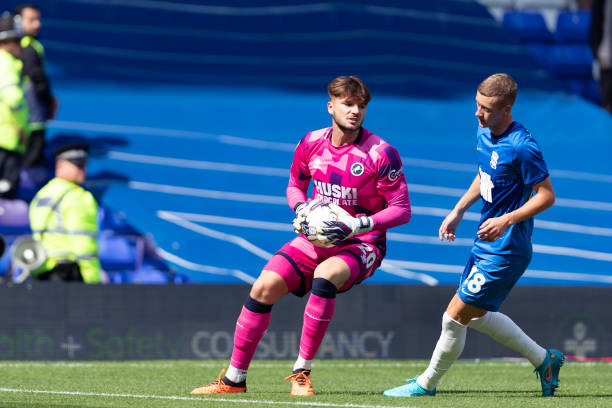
(485,284)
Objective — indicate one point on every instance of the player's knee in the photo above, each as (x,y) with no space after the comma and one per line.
(256,306)
(324,288)
(333,270)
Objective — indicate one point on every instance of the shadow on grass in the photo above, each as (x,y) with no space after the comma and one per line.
(42,404)
(522,394)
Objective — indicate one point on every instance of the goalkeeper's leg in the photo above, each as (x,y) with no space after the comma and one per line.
(250,328)
(330,275)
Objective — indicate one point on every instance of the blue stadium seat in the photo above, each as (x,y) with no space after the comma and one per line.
(32,179)
(591,91)
(573,27)
(114,222)
(5,260)
(572,61)
(541,53)
(528,26)
(119,252)
(149,276)
(14,217)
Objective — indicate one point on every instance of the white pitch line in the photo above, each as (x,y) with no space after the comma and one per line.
(204,193)
(290,147)
(177,398)
(404,273)
(439,212)
(198,164)
(263,198)
(185,220)
(472,168)
(530,273)
(234,239)
(237,273)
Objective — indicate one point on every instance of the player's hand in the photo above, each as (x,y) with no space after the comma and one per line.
(346,226)
(493,228)
(448,229)
(300,218)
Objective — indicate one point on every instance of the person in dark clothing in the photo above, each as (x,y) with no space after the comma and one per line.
(601,44)
(14,129)
(41,102)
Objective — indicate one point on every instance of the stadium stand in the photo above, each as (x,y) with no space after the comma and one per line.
(556,34)
(125,254)
(208,103)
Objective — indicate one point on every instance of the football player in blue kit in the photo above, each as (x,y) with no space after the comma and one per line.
(510,168)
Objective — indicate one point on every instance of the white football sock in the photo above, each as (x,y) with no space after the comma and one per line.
(449,347)
(503,330)
(302,363)
(236,375)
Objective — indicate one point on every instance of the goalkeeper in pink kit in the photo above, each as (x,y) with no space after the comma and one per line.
(360,175)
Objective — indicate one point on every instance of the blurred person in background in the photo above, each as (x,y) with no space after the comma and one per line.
(42,104)
(601,44)
(63,217)
(510,169)
(14,129)
(357,170)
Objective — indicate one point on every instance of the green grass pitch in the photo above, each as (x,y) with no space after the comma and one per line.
(338,383)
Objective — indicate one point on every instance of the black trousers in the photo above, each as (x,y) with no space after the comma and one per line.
(34,155)
(10,165)
(66,272)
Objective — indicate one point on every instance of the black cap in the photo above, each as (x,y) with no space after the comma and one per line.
(10,27)
(76,153)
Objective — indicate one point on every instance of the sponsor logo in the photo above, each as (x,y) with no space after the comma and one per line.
(493,162)
(316,164)
(580,344)
(335,193)
(394,174)
(275,345)
(357,169)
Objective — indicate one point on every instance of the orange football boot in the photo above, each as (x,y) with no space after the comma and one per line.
(300,384)
(217,387)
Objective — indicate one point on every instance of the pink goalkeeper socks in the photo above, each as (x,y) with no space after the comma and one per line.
(250,328)
(317,316)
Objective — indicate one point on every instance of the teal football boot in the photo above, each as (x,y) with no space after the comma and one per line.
(548,372)
(412,389)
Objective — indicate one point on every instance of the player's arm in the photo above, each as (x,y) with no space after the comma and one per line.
(493,228)
(448,229)
(297,189)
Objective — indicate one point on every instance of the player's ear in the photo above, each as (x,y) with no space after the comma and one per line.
(330,107)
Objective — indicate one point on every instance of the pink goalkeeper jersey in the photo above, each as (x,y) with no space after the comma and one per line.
(364,177)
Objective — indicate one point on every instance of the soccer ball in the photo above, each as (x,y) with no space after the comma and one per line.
(317,213)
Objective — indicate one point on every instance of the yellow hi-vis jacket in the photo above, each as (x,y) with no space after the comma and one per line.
(13,106)
(63,217)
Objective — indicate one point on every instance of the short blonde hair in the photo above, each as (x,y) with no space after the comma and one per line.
(351,87)
(500,85)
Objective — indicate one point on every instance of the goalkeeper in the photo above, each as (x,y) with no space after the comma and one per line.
(360,175)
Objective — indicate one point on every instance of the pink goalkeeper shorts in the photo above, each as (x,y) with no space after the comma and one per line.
(297,260)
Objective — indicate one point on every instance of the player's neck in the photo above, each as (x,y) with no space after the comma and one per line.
(342,137)
(499,130)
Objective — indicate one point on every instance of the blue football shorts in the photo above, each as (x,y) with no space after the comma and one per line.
(486,283)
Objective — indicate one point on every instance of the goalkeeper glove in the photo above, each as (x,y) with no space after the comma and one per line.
(300,217)
(346,226)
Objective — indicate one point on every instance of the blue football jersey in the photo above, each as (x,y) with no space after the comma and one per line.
(509,166)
